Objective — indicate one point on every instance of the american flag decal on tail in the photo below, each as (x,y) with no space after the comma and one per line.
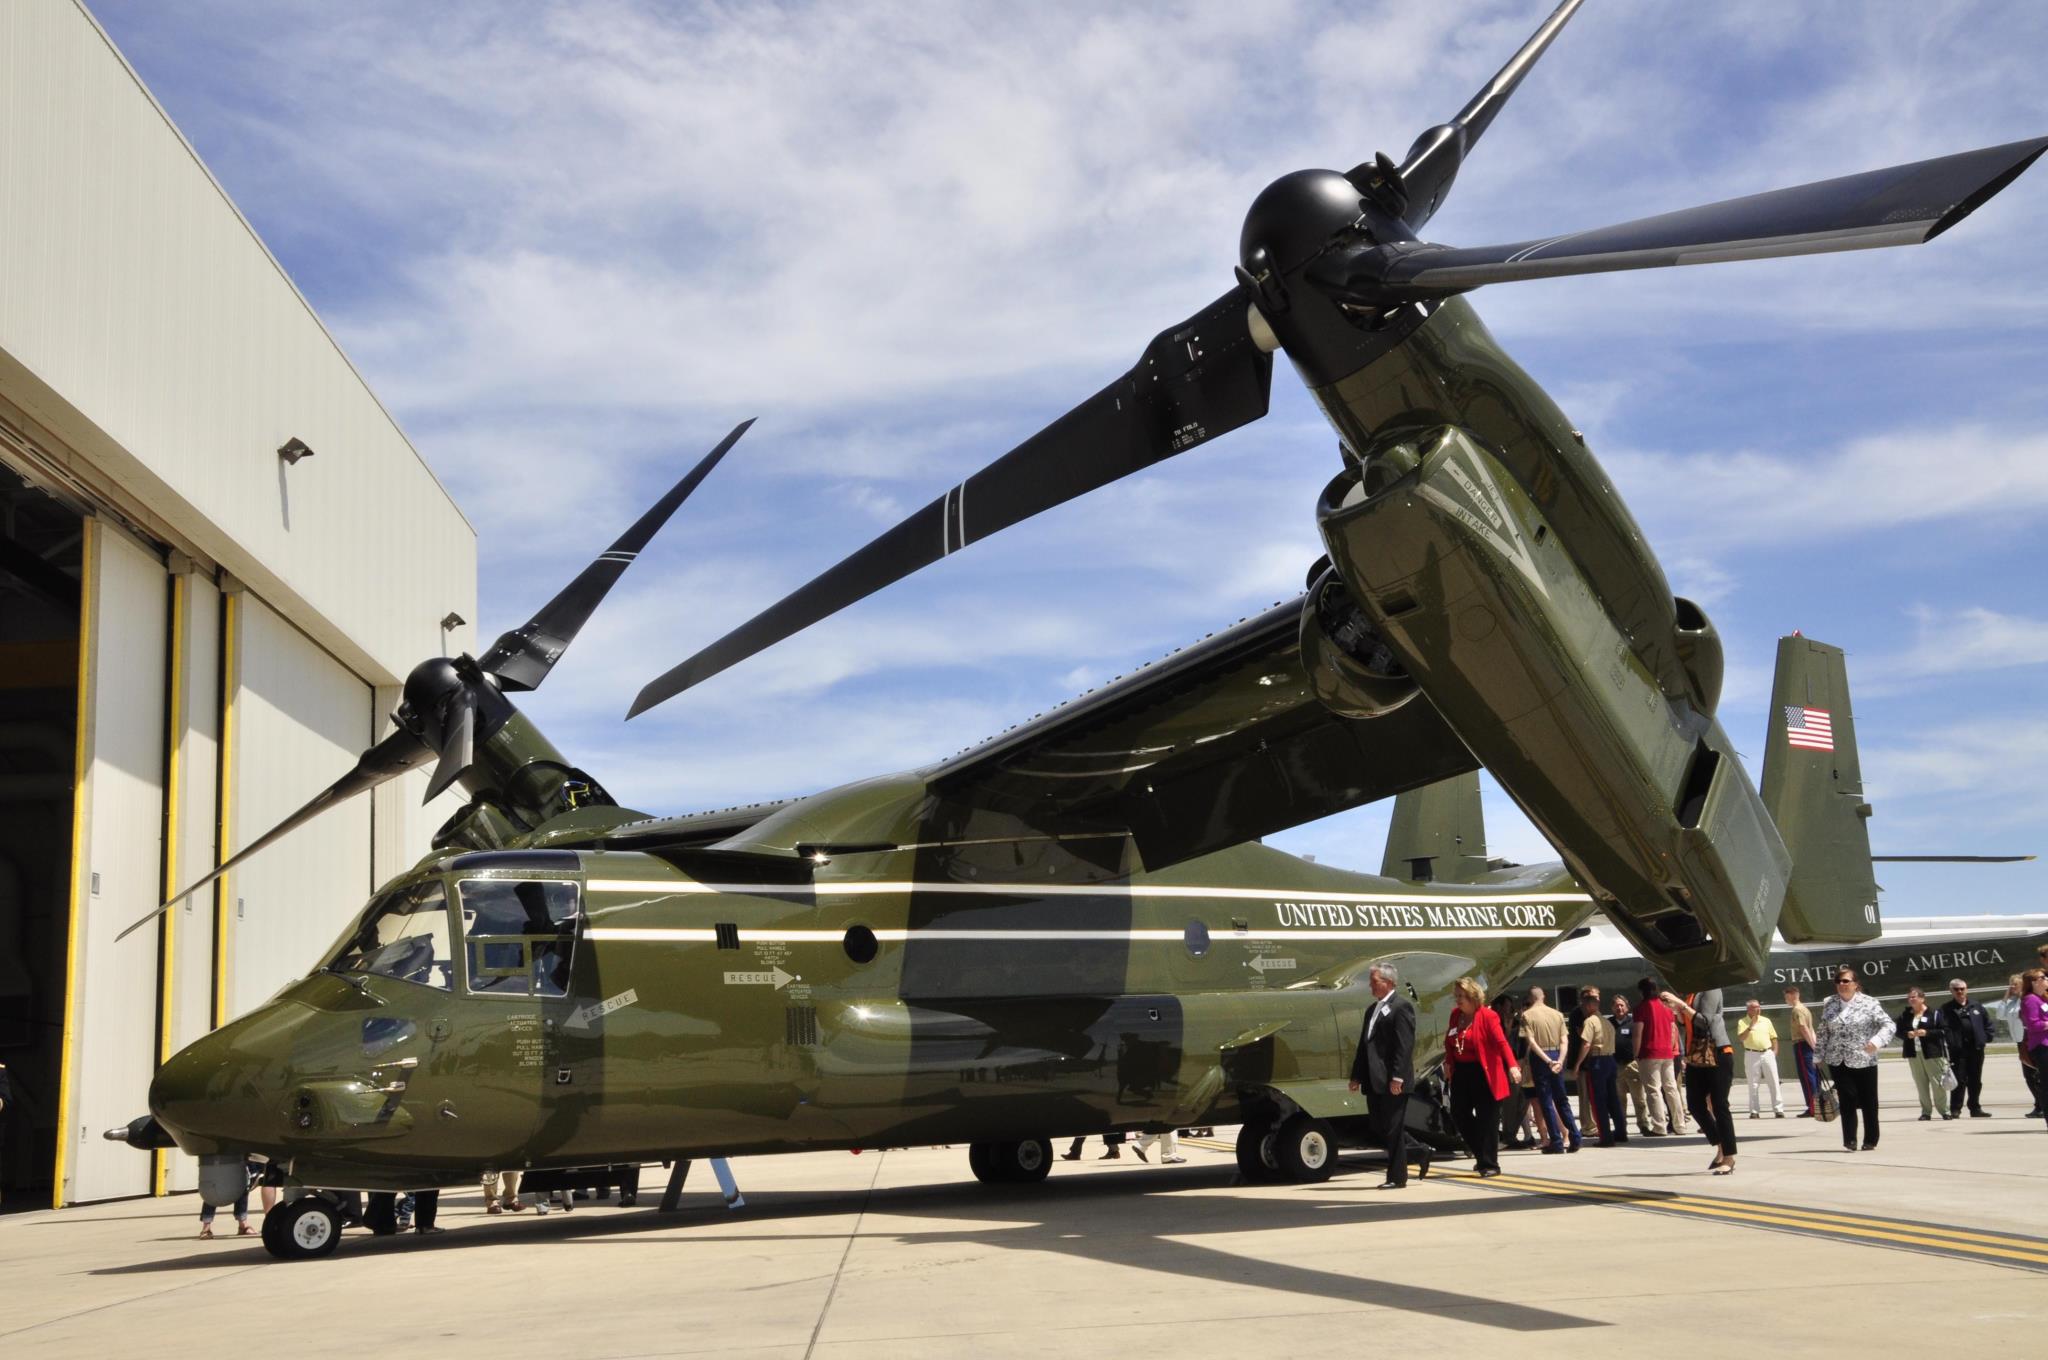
(1809,728)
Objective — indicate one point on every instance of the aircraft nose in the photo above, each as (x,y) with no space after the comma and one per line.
(213,1095)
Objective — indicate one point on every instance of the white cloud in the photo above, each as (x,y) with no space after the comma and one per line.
(1971,639)
(570,244)
(1875,482)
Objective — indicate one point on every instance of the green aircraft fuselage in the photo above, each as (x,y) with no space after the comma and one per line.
(844,1005)
(871,966)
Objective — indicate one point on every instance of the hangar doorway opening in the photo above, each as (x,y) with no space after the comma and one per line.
(40,565)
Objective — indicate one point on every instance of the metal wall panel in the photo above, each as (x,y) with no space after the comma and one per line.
(195,757)
(300,718)
(143,321)
(117,866)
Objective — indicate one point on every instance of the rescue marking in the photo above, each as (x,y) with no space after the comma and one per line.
(773,977)
(581,1019)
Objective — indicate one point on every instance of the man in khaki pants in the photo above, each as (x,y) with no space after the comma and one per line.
(1759,1040)
(505,1185)
(1627,1074)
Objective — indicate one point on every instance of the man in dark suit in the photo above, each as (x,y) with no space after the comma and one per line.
(1969,1033)
(1384,1069)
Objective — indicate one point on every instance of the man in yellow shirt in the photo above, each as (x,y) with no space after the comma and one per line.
(1759,1040)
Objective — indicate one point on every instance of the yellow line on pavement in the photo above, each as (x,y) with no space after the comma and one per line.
(1813,1223)
(1821,1218)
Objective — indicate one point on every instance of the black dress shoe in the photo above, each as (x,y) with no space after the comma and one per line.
(1422,1168)
(1391,1185)
(1925,1117)
(1980,1114)
(1870,1147)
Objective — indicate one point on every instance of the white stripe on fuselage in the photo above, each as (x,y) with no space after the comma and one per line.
(1141,890)
(697,935)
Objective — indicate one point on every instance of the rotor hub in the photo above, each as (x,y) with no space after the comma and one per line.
(428,689)
(1296,217)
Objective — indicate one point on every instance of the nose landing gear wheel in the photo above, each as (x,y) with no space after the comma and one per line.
(302,1229)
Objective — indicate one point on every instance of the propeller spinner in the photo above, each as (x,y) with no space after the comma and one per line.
(453,704)
(1330,269)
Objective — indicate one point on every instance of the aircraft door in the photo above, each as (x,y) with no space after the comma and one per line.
(491,1067)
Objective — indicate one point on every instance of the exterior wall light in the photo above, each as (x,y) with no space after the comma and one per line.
(293,449)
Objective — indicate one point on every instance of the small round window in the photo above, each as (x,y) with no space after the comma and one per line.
(1197,936)
(860,944)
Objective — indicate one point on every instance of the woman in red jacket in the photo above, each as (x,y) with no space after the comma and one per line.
(1480,1065)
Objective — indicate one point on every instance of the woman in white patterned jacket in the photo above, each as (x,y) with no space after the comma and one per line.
(1853,1027)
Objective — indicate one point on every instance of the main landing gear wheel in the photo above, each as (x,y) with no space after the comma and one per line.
(1305,1150)
(1021,1163)
(981,1161)
(301,1230)
(1256,1160)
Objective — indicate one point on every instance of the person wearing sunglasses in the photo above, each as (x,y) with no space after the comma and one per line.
(1853,1027)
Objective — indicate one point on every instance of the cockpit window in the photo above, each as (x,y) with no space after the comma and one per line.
(518,935)
(404,935)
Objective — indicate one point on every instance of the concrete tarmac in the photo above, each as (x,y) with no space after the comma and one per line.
(1935,1239)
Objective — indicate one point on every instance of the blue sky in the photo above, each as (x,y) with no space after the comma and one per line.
(570,245)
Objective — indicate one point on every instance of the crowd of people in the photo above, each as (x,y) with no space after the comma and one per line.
(1667,1063)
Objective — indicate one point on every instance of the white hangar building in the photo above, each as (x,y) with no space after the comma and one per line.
(197,633)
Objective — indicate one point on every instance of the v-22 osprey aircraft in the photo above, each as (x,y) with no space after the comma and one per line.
(1064,930)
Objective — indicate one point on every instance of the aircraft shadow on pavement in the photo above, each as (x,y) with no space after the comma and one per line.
(1091,1217)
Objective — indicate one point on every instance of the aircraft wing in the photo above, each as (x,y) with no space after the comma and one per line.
(1217,744)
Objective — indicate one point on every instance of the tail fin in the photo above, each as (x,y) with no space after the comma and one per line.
(1438,834)
(1813,789)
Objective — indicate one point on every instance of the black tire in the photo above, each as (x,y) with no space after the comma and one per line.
(981,1160)
(1026,1162)
(1255,1157)
(303,1230)
(1305,1150)
(380,1214)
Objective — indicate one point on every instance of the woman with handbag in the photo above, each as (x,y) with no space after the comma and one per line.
(1926,1041)
(1709,1071)
(1480,1067)
(1853,1027)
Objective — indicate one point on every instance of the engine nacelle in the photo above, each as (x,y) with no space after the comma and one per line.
(1698,646)
(1350,668)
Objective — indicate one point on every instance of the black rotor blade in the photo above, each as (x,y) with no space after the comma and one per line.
(389,758)
(522,658)
(1203,378)
(1432,163)
(1950,859)
(458,744)
(1897,206)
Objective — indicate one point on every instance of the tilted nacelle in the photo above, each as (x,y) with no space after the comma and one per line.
(1468,588)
